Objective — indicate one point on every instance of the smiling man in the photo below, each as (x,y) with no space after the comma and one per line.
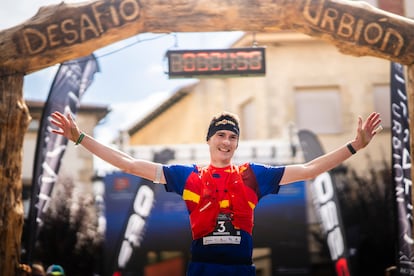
(222,196)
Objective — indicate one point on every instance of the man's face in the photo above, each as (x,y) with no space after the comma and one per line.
(222,147)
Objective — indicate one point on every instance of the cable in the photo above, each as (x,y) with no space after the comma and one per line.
(101,56)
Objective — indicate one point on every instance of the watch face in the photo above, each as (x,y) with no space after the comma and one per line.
(216,63)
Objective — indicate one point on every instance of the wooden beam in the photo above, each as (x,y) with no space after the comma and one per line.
(66,31)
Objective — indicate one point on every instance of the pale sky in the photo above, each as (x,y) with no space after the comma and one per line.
(132,76)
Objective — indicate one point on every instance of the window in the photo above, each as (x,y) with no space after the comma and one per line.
(318,110)
(382,103)
(248,120)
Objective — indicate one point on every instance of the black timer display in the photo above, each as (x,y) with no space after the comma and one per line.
(216,63)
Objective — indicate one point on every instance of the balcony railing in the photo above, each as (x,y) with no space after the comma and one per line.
(270,152)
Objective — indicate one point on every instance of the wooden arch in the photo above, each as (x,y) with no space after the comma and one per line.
(62,32)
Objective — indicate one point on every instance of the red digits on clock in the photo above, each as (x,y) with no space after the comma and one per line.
(227,61)
(189,62)
(244,61)
(255,61)
(215,62)
(176,63)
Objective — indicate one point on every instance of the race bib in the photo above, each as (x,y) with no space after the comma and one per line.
(224,233)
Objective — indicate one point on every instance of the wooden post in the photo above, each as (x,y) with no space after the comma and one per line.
(13,124)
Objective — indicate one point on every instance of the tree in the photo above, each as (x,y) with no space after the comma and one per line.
(367,204)
(70,235)
(63,32)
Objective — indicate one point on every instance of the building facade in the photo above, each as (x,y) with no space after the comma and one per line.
(308,84)
(76,163)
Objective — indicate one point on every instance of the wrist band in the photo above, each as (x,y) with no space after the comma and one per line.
(80,139)
(351,148)
(158,172)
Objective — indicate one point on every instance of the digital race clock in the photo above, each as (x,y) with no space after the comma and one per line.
(216,63)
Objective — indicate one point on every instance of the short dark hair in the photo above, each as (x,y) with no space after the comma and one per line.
(223,121)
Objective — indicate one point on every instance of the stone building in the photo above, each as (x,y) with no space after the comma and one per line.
(77,162)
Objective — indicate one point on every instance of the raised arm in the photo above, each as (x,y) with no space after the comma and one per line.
(142,168)
(365,132)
